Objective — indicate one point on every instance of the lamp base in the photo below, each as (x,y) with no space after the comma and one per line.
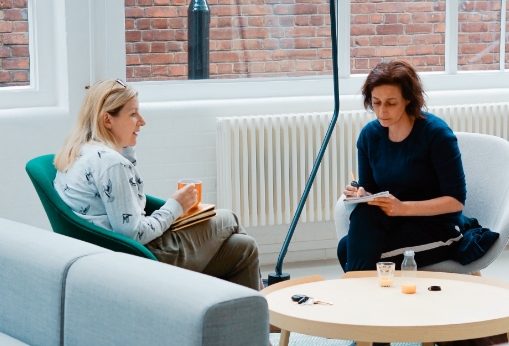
(274,278)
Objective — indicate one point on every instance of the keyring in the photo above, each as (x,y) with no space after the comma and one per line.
(434,288)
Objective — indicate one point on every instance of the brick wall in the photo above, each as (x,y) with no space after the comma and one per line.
(276,38)
(479,34)
(14,59)
(408,30)
(248,38)
(269,38)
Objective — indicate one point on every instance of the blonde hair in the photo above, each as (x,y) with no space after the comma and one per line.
(105,96)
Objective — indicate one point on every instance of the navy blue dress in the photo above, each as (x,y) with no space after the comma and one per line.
(425,165)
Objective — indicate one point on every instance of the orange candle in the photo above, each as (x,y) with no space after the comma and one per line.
(385,282)
(408,287)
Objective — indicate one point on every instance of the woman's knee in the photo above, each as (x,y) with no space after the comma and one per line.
(244,245)
(226,218)
(342,252)
(365,218)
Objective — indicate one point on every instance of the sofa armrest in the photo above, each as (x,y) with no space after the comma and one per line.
(6,340)
(124,300)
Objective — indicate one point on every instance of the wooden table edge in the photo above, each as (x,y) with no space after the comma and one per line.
(360,334)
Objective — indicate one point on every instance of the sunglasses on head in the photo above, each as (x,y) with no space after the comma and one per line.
(119,81)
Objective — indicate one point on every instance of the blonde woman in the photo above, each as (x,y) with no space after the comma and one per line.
(98,179)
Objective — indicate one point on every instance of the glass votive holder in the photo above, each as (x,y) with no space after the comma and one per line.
(385,273)
(408,287)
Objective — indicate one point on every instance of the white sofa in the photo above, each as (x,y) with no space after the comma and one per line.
(56,290)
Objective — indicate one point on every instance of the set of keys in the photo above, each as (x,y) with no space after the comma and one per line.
(305,300)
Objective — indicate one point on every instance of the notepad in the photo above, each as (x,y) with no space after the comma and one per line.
(199,214)
(364,199)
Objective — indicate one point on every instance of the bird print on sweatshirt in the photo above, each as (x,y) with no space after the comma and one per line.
(84,211)
(89,177)
(125,218)
(105,187)
(108,190)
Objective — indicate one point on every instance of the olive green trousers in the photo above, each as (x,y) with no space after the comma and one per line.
(219,247)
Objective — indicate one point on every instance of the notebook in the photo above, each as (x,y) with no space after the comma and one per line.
(198,214)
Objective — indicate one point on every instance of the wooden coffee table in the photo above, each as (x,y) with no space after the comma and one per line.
(467,307)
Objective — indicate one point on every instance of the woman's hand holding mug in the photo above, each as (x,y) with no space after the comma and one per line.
(187,196)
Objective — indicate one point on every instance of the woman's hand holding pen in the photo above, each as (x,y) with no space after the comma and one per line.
(351,191)
(354,189)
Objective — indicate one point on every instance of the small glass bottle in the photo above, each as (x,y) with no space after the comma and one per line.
(409,267)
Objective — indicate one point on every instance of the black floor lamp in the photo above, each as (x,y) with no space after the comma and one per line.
(279,276)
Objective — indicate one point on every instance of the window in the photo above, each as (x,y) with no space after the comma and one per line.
(506,36)
(14,57)
(33,57)
(428,36)
(479,35)
(248,39)
(410,30)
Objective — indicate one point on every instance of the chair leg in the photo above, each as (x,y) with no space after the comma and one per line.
(477,273)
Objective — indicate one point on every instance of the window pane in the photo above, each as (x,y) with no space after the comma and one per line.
(478,35)
(14,57)
(413,31)
(248,38)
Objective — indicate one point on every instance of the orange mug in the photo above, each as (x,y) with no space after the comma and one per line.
(197,185)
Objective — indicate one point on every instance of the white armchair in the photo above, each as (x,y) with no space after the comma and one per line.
(486,165)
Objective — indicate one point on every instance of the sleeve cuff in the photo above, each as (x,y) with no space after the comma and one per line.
(173,206)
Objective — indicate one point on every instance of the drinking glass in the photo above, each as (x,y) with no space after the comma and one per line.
(385,273)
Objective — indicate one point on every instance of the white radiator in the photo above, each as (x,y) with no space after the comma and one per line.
(263,162)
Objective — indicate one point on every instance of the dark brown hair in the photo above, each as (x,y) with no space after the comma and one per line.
(399,73)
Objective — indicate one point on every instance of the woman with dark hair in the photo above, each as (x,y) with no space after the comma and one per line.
(415,156)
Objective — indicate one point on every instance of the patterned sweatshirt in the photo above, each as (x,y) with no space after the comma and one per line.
(105,188)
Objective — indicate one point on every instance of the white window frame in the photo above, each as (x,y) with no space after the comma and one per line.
(72,44)
(46,38)
(448,80)
(61,65)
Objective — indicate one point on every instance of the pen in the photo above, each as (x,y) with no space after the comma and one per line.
(355,184)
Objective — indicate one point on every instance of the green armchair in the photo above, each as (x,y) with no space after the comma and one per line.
(42,172)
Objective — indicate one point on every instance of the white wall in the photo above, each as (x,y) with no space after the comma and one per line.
(178,141)
(179,138)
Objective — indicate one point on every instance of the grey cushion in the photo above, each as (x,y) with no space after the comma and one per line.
(6,340)
(486,165)
(32,264)
(117,299)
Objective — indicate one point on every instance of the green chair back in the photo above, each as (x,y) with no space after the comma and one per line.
(42,172)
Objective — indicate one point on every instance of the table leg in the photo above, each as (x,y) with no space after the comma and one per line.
(428,344)
(364,343)
(284,338)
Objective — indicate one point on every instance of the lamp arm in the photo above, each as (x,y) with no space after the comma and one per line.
(309,183)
